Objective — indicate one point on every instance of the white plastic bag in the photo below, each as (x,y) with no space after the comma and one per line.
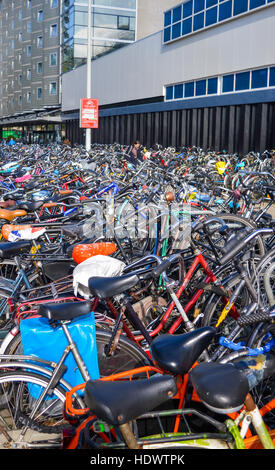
(99,265)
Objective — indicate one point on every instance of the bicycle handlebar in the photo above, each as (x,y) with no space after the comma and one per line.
(239,242)
(163,265)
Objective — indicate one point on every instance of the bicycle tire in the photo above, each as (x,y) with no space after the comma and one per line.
(233,220)
(258,278)
(42,430)
(263,393)
(213,309)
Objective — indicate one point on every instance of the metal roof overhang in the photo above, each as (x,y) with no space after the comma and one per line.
(44,116)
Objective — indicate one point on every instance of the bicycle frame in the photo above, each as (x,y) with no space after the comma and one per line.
(210,278)
(262,440)
(21,278)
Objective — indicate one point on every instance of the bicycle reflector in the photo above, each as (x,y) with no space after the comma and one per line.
(11,305)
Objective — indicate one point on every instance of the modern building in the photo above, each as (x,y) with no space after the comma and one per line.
(199,72)
(41,39)
(206,78)
(30,69)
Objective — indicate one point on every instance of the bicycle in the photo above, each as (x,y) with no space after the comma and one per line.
(40,409)
(109,422)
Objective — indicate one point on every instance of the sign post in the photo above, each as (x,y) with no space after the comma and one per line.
(88,113)
(89,56)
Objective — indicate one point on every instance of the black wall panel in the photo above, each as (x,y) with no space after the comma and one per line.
(235,128)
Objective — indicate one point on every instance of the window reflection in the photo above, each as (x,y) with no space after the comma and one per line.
(115,24)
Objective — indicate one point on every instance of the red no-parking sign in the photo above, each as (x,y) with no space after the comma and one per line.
(88,113)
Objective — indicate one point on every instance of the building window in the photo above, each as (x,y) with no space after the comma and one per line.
(19,58)
(29,74)
(212,86)
(29,97)
(256,3)
(228,83)
(29,51)
(240,7)
(249,80)
(259,78)
(272,76)
(201,87)
(39,41)
(225,10)
(53,88)
(29,3)
(176,14)
(20,79)
(53,30)
(187,9)
(19,99)
(198,21)
(54,3)
(167,34)
(178,91)
(20,37)
(176,30)
(39,93)
(53,59)
(40,16)
(169,92)
(167,18)
(242,81)
(198,5)
(39,67)
(211,16)
(193,15)
(20,14)
(189,90)
(123,22)
(187,26)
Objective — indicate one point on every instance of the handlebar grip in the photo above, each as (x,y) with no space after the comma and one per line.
(257,317)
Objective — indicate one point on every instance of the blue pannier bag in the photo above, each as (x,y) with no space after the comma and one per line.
(44,341)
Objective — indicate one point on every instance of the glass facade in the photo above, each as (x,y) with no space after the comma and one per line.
(113,26)
(195,15)
(248,80)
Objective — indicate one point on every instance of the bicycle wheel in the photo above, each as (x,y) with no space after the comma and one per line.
(126,356)
(6,289)
(23,426)
(234,223)
(264,278)
(263,393)
(214,307)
